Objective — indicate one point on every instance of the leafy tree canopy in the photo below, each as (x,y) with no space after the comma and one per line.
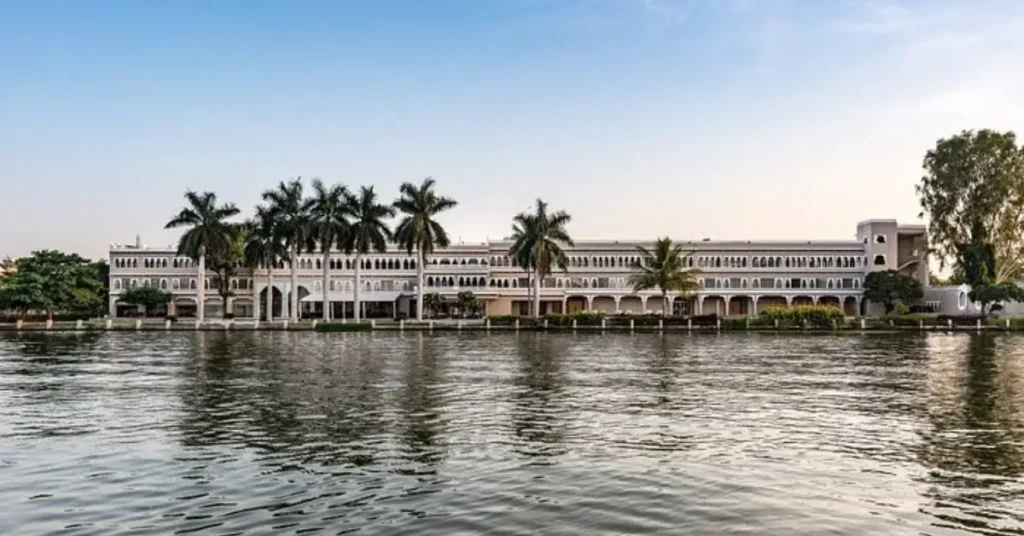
(986,294)
(53,281)
(148,297)
(891,287)
(973,195)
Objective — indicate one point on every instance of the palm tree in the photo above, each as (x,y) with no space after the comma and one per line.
(209,230)
(663,268)
(418,231)
(262,248)
(368,233)
(522,227)
(328,211)
(288,208)
(539,239)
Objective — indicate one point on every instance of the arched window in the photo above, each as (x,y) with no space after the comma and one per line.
(771,262)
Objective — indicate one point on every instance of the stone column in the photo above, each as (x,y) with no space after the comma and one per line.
(753,305)
(618,299)
(727,300)
(590,303)
(643,304)
(565,305)
(789,301)
(172,310)
(112,305)
(700,305)
(814,299)
(255,303)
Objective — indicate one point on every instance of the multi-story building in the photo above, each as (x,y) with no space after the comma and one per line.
(737,277)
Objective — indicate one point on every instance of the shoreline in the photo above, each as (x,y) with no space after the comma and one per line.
(483,326)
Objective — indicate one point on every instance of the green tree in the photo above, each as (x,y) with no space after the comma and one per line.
(52,281)
(289,209)
(328,211)
(539,240)
(227,261)
(264,250)
(208,231)
(418,230)
(369,231)
(523,227)
(468,303)
(663,268)
(890,287)
(973,195)
(990,294)
(149,297)
(433,303)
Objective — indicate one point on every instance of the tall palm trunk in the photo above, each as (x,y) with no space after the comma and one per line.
(419,286)
(356,313)
(293,313)
(270,293)
(536,293)
(201,286)
(664,304)
(327,299)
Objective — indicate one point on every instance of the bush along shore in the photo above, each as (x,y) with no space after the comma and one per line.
(794,319)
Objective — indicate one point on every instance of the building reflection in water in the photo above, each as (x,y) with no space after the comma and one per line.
(974,449)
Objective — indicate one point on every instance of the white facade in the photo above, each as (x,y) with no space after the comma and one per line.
(738,277)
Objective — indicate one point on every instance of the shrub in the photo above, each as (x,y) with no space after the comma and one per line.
(9,318)
(734,323)
(901,309)
(502,320)
(704,320)
(816,316)
(588,318)
(556,320)
(961,320)
(338,327)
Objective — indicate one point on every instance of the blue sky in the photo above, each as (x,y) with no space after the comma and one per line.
(741,119)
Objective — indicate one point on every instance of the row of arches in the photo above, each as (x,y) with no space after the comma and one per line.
(803,282)
(841,261)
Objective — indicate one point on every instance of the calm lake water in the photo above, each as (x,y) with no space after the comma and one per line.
(294,433)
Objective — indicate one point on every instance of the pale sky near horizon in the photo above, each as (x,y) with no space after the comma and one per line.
(731,119)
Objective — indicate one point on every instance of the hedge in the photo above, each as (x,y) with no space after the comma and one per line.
(338,327)
(815,316)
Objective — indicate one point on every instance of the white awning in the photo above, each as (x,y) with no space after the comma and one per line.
(347,296)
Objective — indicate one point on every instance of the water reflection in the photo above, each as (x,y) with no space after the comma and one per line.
(974,448)
(538,414)
(214,432)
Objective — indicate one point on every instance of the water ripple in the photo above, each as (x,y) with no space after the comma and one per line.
(303,433)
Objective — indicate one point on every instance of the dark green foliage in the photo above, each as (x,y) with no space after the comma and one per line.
(54,282)
(148,297)
(814,316)
(338,327)
(973,193)
(891,287)
(986,294)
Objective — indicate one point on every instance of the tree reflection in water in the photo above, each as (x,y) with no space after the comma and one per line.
(975,446)
(300,401)
(420,403)
(538,413)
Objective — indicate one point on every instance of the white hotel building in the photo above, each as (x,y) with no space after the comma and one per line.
(737,277)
